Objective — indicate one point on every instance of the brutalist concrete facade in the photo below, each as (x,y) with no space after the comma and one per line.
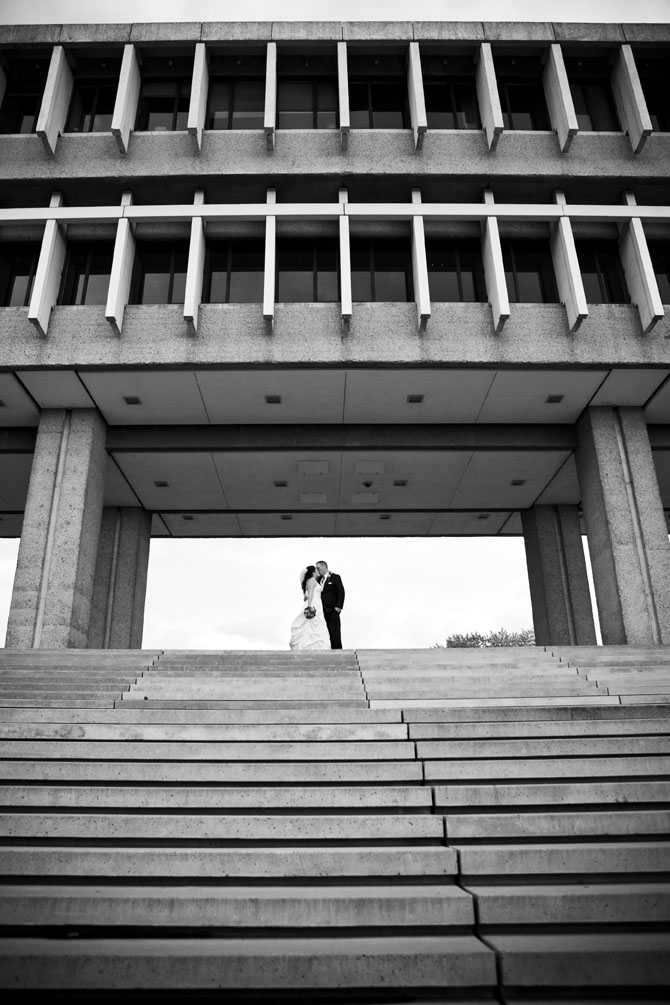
(488,353)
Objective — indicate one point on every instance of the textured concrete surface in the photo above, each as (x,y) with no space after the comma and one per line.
(120,585)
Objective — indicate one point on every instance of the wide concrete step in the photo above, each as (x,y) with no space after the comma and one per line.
(424,962)
(545,794)
(555,728)
(573,859)
(484,703)
(545,747)
(386,799)
(130,750)
(546,767)
(271,907)
(187,716)
(586,823)
(573,904)
(198,827)
(242,773)
(296,863)
(291,733)
(606,709)
(324,704)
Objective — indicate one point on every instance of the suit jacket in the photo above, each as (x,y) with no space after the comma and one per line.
(333,592)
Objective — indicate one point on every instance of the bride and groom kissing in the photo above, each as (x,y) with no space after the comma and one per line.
(317,626)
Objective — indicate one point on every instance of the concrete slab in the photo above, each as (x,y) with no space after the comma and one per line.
(425,962)
(610,823)
(570,794)
(223,863)
(575,904)
(131,751)
(298,907)
(556,728)
(412,703)
(594,768)
(591,711)
(174,733)
(240,717)
(546,747)
(573,859)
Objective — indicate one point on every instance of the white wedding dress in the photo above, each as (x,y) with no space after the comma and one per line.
(310,633)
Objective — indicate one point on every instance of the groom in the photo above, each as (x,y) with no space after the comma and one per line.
(332,600)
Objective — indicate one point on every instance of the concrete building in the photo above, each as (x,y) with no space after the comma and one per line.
(334,279)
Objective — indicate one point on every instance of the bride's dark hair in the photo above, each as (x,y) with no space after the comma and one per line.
(309,572)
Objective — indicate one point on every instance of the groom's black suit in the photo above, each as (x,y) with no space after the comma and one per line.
(332,597)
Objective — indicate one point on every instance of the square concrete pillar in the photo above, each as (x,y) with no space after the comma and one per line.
(625,525)
(559,585)
(120,586)
(51,600)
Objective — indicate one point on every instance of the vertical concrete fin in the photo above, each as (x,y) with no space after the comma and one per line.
(420,266)
(270,114)
(55,101)
(48,273)
(197,108)
(343,93)
(196,267)
(494,270)
(559,98)
(345,264)
(127,98)
(630,100)
(417,100)
(488,97)
(640,275)
(270,262)
(566,268)
(122,269)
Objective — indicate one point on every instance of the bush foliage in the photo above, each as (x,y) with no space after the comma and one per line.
(475,640)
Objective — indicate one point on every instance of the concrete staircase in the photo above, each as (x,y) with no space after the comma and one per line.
(380,826)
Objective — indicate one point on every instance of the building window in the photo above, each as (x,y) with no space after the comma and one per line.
(521,93)
(381,270)
(450,92)
(307,271)
(660,259)
(304,103)
(164,95)
(159,273)
(655,80)
(592,95)
(455,272)
(529,272)
(378,92)
(18,264)
(23,95)
(86,274)
(602,272)
(235,104)
(93,96)
(234,272)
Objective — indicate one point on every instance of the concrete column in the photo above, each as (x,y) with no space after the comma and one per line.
(51,600)
(625,525)
(559,586)
(120,586)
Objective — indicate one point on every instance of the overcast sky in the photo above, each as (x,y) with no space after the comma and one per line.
(400,592)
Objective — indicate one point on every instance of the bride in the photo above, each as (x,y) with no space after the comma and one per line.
(309,630)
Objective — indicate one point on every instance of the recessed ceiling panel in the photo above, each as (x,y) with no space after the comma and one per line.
(56,388)
(383,524)
(202,524)
(17,408)
(278,479)
(117,490)
(11,524)
(480,523)
(173,481)
(512,527)
(563,489)
(629,387)
(419,479)
(435,395)
(14,478)
(542,396)
(506,479)
(272,396)
(658,409)
(158,528)
(662,465)
(288,524)
(147,397)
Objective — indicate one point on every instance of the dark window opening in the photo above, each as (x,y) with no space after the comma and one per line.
(307,271)
(86,274)
(660,259)
(165,94)
(602,272)
(307,103)
(529,272)
(381,270)
(455,272)
(655,81)
(521,93)
(93,96)
(235,104)
(23,95)
(18,264)
(592,95)
(378,104)
(159,273)
(234,272)
(451,104)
